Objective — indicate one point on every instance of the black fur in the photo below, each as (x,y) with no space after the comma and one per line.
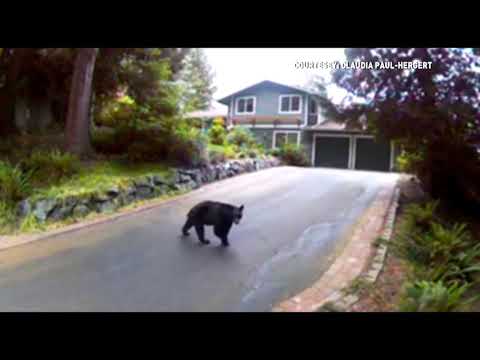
(219,215)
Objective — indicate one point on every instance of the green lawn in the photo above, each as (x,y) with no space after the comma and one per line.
(100,176)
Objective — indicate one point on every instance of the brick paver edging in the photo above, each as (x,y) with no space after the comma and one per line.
(343,302)
(328,293)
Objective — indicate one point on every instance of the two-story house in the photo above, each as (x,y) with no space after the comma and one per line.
(278,114)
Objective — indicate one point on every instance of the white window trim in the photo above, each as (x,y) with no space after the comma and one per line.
(285,132)
(299,111)
(246,98)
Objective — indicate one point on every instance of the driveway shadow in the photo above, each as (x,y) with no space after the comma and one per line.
(213,251)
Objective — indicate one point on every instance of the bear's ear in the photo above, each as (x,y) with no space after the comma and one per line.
(241,208)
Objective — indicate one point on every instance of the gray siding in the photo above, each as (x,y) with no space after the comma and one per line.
(267,100)
(307,142)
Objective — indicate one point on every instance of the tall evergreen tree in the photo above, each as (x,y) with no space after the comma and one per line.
(196,81)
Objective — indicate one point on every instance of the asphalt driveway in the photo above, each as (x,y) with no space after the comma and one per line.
(295,219)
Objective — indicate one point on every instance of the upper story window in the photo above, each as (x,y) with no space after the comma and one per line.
(290,104)
(245,105)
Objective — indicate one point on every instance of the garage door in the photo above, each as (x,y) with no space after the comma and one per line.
(372,155)
(332,152)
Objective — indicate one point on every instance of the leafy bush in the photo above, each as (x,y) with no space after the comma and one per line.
(116,112)
(418,217)
(218,154)
(407,162)
(217,157)
(274,152)
(146,151)
(437,251)
(14,183)
(293,155)
(253,154)
(450,171)
(429,296)
(189,147)
(7,217)
(241,137)
(217,133)
(51,166)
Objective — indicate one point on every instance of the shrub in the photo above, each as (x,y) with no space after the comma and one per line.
(241,137)
(51,166)
(219,154)
(146,151)
(418,217)
(216,157)
(116,112)
(189,147)
(407,162)
(253,154)
(274,152)
(429,296)
(437,251)
(7,217)
(293,155)
(217,133)
(14,183)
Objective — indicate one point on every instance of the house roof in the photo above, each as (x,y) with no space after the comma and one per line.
(328,125)
(226,99)
(331,125)
(211,113)
(214,111)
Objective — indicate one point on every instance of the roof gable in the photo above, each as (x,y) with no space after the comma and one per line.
(262,84)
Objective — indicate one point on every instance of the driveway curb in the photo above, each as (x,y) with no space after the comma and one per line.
(328,293)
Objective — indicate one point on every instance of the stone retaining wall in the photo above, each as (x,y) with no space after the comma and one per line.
(147,187)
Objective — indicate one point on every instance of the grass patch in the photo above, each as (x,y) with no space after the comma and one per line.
(30,225)
(99,177)
(7,218)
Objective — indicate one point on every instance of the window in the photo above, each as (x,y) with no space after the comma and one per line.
(290,104)
(281,138)
(312,107)
(245,105)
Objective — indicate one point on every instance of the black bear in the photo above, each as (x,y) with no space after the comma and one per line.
(220,215)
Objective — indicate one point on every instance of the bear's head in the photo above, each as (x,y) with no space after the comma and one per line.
(237,214)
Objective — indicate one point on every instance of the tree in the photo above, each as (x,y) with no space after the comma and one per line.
(49,71)
(11,63)
(78,120)
(196,81)
(433,112)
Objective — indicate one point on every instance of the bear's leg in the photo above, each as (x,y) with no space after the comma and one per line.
(221,233)
(201,234)
(188,225)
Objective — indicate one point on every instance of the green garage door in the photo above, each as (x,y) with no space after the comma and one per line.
(372,155)
(332,152)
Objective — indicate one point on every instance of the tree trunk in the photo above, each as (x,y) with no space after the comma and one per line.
(77,132)
(8,92)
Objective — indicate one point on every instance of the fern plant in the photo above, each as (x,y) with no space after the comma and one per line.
(430,296)
(14,183)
